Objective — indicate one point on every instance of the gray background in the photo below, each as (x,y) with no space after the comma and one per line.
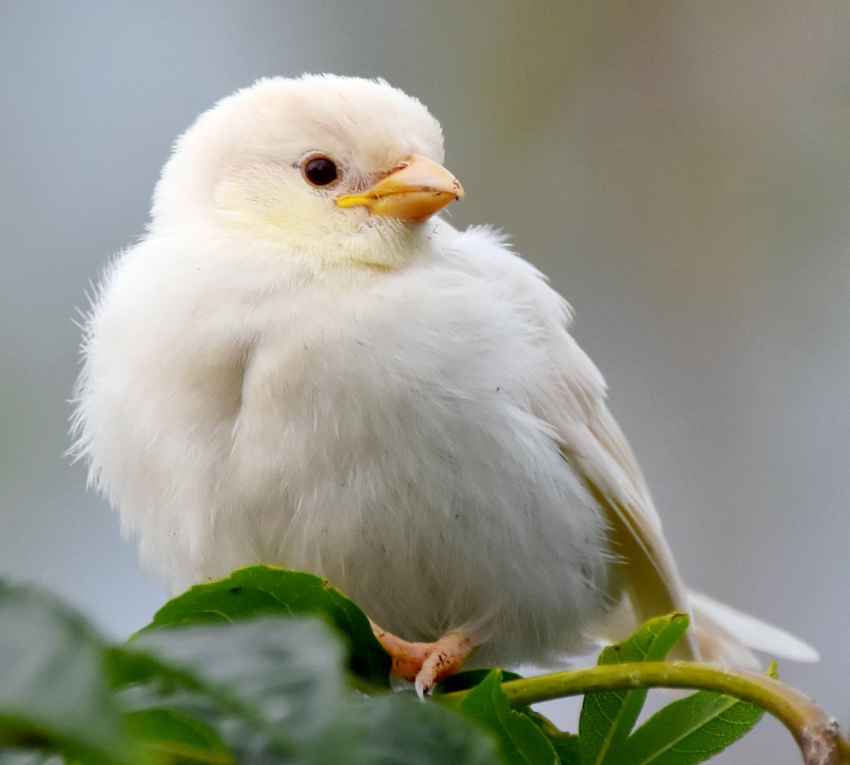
(679,169)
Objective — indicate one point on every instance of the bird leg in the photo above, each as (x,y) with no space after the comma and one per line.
(425,664)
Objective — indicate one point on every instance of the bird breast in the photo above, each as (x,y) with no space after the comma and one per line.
(374,429)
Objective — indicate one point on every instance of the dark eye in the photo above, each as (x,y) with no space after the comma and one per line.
(319,171)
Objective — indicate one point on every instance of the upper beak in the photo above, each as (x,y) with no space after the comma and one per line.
(413,191)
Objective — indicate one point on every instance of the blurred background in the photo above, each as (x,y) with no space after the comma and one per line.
(680,170)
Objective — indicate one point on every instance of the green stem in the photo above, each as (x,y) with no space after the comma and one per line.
(818,735)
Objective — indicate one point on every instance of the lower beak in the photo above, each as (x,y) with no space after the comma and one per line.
(414,191)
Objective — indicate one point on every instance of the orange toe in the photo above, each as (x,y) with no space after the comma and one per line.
(425,664)
(447,656)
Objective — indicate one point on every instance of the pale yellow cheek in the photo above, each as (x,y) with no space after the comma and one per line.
(310,224)
(278,213)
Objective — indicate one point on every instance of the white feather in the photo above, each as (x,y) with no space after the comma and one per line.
(749,631)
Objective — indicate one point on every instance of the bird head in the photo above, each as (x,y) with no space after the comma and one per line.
(333,168)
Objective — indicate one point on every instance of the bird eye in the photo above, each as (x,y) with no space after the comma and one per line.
(319,171)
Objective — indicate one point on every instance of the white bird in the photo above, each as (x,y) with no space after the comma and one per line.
(302,364)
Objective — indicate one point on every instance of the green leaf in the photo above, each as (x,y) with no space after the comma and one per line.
(568,748)
(54,692)
(201,709)
(469,678)
(272,687)
(261,590)
(567,745)
(520,740)
(179,736)
(21,757)
(391,729)
(401,730)
(692,729)
(607,718)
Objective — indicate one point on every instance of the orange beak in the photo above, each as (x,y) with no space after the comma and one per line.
(413,191)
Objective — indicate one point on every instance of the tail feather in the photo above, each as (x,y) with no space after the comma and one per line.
(719,634)
(726,636)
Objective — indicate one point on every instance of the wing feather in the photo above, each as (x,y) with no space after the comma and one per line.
(569,396)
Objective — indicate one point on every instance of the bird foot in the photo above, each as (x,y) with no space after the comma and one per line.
(425,664)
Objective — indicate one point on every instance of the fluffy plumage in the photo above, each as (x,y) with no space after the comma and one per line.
(272,377)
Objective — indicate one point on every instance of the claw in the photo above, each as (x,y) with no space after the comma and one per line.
(422,690)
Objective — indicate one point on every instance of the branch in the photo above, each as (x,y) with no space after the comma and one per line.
(818,735)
